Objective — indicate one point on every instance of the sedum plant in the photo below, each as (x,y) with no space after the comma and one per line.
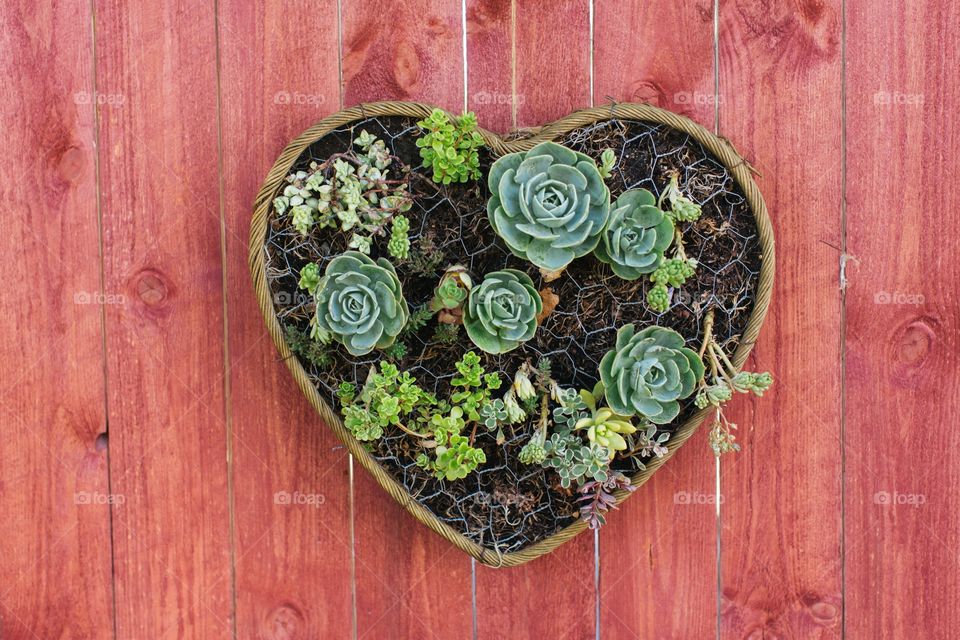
(647,373)
(636,236)
(725,380)
(456,459)
(450,148)
(351,190)
(682,208)
(501,312)
(359,303)
(549,205)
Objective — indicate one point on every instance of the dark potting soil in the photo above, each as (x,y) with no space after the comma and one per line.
(507,505)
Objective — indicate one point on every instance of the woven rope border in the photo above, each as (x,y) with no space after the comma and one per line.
(719,147)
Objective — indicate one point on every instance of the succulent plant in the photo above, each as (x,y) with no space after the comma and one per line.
(450,148)
(549,205)
(607,429)
(636,236)
(452,290)
(501,312)
(360,303)
(646,373)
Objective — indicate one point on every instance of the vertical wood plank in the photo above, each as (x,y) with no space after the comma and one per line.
(555,595)
(661,547)
(780,89)
(293,567)
(54,493)
(902,465)
(553,60)
(410,582)
(490,27)
(161,232)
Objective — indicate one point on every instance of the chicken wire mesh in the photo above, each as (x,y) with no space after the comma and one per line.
(506,505)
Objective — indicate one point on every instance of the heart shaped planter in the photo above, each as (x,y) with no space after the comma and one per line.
(456,349)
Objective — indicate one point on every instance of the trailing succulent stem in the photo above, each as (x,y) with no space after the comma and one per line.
(724,381)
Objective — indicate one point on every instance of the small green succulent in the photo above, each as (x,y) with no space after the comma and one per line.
(399,243)
(450,148)
(636,236)
(501,312)
(452,290)
(549,205)
(456,459)
(607,429)
(682,208)
(647,373)
(360,303)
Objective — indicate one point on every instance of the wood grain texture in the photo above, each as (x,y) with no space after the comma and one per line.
(55,531)
(410,582)
(780,89)
(403,50)
(552,60)
(902,465)
(161,236)
(293,557)
(660,548)
(554,596)
(490,31)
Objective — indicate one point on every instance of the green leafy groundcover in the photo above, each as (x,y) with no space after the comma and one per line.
(552,208)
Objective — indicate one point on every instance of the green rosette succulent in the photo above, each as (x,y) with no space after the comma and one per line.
(360,303)
(502,311)
(549,204)
(646,373)
(636,236)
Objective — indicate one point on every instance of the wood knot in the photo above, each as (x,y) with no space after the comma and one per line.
(646,91)
(823,611)
(284,622)
(101,442)
(71,164)
(914,343)
(151,287)
(406,67)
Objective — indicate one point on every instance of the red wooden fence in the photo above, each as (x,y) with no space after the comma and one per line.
(149,425)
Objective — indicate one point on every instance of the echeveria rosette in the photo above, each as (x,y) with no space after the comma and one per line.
(502,311)
(549,204)
(360,303)
(647,373)
(636,236)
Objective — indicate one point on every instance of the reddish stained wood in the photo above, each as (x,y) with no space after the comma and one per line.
(553,60)
(293,561)
(780,536)
(660,547)
(555,595)
(490,25)
(409,581)
(55,565)
(161,233)
(403,50)
(903,469)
